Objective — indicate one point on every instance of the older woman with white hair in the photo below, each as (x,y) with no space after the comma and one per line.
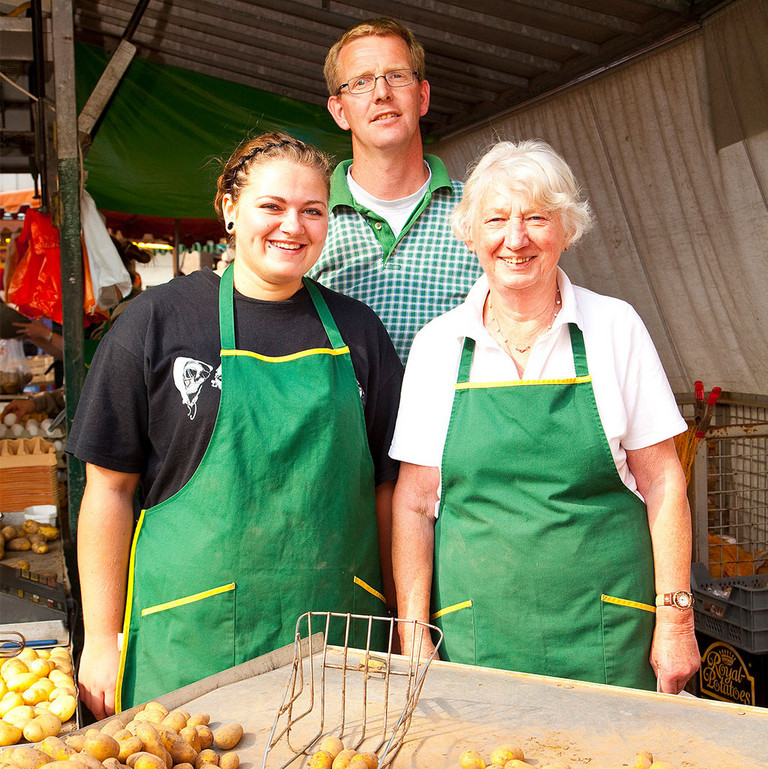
(540,516)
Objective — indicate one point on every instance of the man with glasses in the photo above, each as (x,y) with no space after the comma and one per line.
(390,242)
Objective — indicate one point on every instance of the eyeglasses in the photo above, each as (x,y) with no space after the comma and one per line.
(396,78)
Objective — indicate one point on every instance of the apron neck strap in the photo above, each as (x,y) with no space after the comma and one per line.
(467,351)
(579,351)
(227,308)
(577,346)
(329,324)
(227,311)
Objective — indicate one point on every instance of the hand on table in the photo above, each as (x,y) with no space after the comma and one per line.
(675,654)
(97,677)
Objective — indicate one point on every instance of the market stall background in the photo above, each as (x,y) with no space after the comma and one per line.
(648,100)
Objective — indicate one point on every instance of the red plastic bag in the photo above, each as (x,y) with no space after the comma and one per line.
(35,287)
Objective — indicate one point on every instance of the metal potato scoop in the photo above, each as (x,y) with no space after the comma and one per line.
(363,696)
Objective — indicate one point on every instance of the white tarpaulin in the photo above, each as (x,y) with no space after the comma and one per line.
(672,152)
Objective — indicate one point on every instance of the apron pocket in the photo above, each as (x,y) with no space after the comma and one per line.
(459,633)
(185,640)
(627,628)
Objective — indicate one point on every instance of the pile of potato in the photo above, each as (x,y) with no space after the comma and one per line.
(31,535)
(37,694)
(332,755)
(512,757)
(154,739)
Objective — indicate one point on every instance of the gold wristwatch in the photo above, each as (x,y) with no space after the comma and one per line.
(680,599)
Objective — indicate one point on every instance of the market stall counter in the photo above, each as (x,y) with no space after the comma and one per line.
(463,707)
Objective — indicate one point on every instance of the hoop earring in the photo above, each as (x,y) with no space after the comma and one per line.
(230,226)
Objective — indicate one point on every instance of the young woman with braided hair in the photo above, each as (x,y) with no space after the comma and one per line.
(255,413)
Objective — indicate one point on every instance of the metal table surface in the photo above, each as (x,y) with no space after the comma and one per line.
(463,707)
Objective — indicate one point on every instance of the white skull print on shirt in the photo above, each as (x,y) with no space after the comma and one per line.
(189,376)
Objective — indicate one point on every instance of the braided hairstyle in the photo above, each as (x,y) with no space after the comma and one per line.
(262,149)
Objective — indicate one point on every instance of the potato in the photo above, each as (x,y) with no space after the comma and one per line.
(18,545)
(87,760)
(662,765)
(182,752)
(121,734)
(9,532)
(176,720)
(132,760)
(49,532)
(167,734)
(60,678)
(155,705)
(20,716)
(471,759)
(59,690)
(58,749)
(371,759)
(205,735)
(343,758)
(517,764)
(9,734)
(112,727)
(557,765)
(321,759)
(40,727)
(13,668)
(22,566)
(149,715)
(38,692)
(184,766)
(10,701)
(30,527)
(27,655)
(21,681)
(192,736)
(226,737)
(41,667)
(332,745)
(25,757)
(232,761)
(147,733)
(358,762)
(112,763)
(506,753)
(128,747)
(643,759)
(101,746)
(198,719)
(206,757)
(64,706)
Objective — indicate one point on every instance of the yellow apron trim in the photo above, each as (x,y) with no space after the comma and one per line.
(451,609)
(285,358)
(127,619)
(630,604)
(370,589)
(522,383)
(188,599)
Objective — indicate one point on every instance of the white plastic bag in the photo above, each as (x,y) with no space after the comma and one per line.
(15,373)
(110,279)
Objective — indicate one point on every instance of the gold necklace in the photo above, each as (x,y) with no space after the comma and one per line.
(521,350)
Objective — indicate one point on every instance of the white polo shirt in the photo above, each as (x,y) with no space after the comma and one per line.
(635,402)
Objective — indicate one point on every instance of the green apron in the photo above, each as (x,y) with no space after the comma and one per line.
(278,519)
(543,560)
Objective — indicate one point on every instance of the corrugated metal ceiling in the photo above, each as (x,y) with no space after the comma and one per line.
(483,57)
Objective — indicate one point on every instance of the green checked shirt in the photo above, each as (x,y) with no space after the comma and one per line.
(410,279)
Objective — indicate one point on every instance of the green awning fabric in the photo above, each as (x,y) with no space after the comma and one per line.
(155,151)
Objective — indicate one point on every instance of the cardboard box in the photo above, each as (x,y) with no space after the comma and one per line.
(28,474)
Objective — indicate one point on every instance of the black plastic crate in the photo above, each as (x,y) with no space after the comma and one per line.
(733,609)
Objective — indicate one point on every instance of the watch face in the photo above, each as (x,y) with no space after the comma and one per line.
(682,600)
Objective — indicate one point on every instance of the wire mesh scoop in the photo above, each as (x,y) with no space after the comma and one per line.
(363,696)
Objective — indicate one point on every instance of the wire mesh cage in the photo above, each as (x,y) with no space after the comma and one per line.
(356,689)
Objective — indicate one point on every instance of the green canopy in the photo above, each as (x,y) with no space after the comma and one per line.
(155,151)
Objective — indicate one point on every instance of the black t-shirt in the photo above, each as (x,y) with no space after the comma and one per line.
(151,396)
